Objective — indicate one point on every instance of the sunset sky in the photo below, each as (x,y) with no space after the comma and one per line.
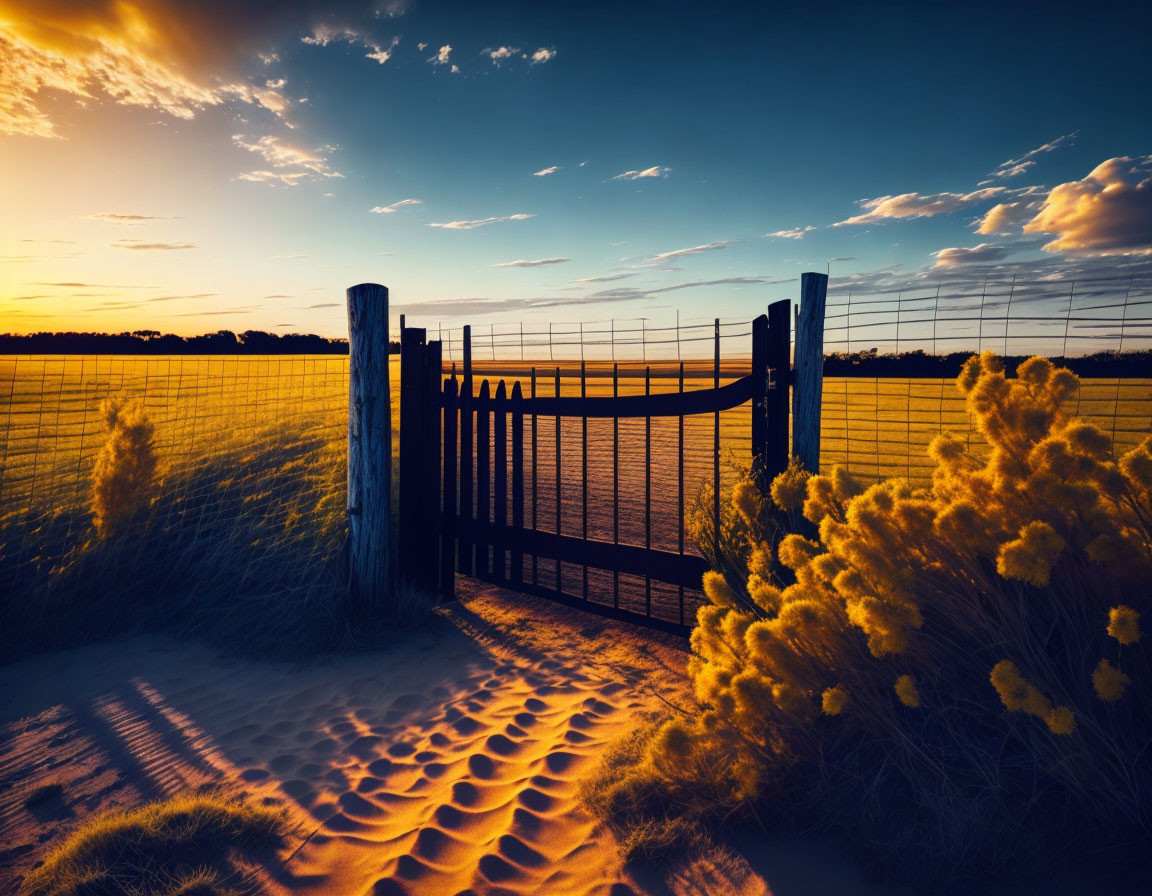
(192,166)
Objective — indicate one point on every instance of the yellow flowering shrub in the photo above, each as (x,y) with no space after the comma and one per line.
(124,476)
(989,585)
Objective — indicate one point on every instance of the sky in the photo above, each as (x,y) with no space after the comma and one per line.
(195,166)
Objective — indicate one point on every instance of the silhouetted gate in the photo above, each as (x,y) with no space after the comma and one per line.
(470,502)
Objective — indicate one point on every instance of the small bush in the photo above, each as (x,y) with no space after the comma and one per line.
(953,676)
(124,478)
(186,846)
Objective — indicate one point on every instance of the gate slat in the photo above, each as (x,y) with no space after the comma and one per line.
(449,527)
(483,481)
(500,481)
(466,563)
(516,534)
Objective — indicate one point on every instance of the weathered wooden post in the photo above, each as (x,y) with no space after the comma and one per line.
(809,375)
(369,450)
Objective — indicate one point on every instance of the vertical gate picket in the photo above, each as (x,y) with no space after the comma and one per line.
(516,540)
(500,482)
(429,496)
(535,496)
(615,481)
(483,482)
(449,528)
(411,463)
(648,491)
(760,399)
(584,470)
(465,563)
(559,497)
(779,363)
(680,491)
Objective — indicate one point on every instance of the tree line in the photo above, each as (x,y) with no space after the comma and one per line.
(153,342)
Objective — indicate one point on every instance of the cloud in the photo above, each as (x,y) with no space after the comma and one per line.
(1109,212)
(379,54)
(138,244)
(1015,167)
(290,163)
(985,252)
(167,55)
(531,264)
(918,205)
(442,57)
(395,206)
(1006,217)
(654,171)
(544,54)
(500,54)
(113,218)
(695,250)
(605,278)
(544,172)
(478,306)
(468,225)
(287,257)
(796,233)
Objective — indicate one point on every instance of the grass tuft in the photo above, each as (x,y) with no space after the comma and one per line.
(185,846)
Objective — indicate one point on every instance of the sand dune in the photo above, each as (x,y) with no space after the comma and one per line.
(444,764)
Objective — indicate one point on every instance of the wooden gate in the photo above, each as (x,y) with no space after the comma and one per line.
(464,478)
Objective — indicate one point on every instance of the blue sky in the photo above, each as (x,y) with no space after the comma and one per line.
(217,165)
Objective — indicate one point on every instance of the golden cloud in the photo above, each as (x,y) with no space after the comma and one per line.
(177,57)
(1109,212)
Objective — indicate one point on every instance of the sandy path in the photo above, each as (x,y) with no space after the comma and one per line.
(445,764)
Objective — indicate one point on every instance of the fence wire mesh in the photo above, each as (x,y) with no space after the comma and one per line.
(878,420)
(251,455)
(251,450)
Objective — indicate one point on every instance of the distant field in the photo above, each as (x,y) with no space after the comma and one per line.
(265,437)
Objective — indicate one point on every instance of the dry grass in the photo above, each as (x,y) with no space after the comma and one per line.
(187,845)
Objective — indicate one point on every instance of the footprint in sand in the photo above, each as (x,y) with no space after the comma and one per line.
(480,765)
(534,705)
(519,852)
(501,745)
(465,793)
(535,799)
(559,761)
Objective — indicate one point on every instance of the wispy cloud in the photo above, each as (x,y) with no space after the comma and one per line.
(480,222)
(287,257)
(544,172)
(544,54)
(1015,167)
(500,54)
(139,244)
(654,171)
(531,264)
(695,250)
(442,56)
(985,252)
(395,206)
(917,205)
(604,278)
(290,164)
(796,233)
(114,218)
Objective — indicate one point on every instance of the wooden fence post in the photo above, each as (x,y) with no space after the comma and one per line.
(809,380)
(369,450)
(779,363)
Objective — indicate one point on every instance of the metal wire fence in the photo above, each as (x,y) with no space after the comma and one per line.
(251,450)
(878,423)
